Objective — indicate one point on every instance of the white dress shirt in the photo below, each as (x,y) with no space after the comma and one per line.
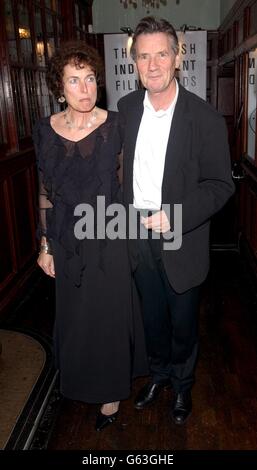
(150,154)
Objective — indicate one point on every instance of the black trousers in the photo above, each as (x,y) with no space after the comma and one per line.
(170,319)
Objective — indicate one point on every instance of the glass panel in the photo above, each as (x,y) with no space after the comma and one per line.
(59,31)
(24,32)
(77,15)
(35,91)
(18,103)
(252,103)
(43,94)
(57,6)
(55,106)
(49,24)
(1,129)
(12,46)
(40,49)
(32,93)
(2,115)
(83,20)
(54,5)
(50,34)
(240,30)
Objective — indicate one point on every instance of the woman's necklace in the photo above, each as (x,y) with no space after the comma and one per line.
(70,125)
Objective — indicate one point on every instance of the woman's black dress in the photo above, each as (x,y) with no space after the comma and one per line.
(98,336)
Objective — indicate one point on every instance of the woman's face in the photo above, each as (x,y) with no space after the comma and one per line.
(79,87)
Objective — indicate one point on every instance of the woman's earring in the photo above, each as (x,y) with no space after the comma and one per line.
(61,99)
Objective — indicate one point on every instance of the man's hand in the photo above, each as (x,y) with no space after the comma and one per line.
(46,262)
(158,222)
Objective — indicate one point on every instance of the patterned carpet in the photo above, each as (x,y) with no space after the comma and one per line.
(26,375)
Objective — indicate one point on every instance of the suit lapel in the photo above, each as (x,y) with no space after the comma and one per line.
(176,142)
(133,124)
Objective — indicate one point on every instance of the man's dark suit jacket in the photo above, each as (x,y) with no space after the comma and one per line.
(197,174)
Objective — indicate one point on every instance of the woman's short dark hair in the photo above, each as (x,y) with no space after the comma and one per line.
(150,25)
(77,53)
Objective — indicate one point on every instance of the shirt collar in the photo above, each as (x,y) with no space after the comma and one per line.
(161,112)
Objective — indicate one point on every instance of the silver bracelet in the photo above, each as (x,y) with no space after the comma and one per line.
(45,249)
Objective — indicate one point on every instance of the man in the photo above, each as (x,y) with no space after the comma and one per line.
(175,152)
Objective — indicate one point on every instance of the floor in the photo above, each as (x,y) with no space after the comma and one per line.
(224,396)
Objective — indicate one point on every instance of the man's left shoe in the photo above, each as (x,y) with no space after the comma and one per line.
(104,420)
(181,407)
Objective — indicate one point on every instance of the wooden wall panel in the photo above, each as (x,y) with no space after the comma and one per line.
(24,224)
(24,82)
(253,219)
(240,30)
(249,214)
(226,95)
(243,19)
(253,19)
(18,223)
(7,264)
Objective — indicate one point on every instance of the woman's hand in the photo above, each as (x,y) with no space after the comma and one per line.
(46,262)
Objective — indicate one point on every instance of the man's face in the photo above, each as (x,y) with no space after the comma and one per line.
(156,61)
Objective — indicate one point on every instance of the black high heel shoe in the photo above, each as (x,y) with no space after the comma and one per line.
(104,420)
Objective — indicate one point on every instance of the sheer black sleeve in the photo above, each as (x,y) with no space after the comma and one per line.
(44,204)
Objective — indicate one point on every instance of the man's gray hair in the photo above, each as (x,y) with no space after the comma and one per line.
(150,25)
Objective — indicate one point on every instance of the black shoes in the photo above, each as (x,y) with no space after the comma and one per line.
(148,394)
(104,420)
(181,407)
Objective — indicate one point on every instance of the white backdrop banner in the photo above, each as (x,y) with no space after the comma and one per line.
(120,70)
(193,61)
(121,73)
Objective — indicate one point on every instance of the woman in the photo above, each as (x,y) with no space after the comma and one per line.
(98,338)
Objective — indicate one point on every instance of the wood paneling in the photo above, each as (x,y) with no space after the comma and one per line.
(253,19)
(23,99)
(18,223)
(6,254)
(22,197)
(235,34)
(249,208)
(243,18)
(240,30)
(247,11)
(226,95)
(212,61)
